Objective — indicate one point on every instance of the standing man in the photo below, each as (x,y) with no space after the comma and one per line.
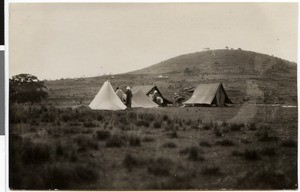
(128,97)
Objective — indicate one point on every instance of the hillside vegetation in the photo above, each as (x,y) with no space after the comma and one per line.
(248,77)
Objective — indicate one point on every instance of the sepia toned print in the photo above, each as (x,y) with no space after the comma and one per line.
(153,96)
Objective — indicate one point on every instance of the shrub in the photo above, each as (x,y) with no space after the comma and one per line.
(211,171)
(103,134)
(62,177)
(252,127)
(236,127)
(132,116)
(143,123)
(165,117)
(35,153)
(157,124)
(59,150)
(134,141)
(89,124)
(169,145)
(148,139)
(208,126)
(160,167)
(225,143)
(236,153)
(204,144)
(66,117)
(85,143)
(263,134)
(251,155)
(268,151)
(148,117)
(115,141)
(100,117)
(194,153)
(289,143)
(131,161)
(189,122)
(217,132)
(245,140)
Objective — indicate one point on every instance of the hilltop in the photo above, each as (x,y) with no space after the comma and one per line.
(248,77)
(221,62)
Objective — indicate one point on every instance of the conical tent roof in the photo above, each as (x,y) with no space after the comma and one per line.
(107,99)
(139,99)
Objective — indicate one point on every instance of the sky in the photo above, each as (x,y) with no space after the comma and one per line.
(68,40)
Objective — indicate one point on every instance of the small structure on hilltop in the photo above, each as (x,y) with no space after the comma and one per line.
(212,94)
(149,90)
(140,99)
(107,99)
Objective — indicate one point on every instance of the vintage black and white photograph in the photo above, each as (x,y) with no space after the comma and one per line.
(153,96)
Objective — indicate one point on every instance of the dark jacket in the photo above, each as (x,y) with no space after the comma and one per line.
(128,98)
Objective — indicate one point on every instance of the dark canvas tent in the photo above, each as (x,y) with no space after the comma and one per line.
(139,99)
(149,89)
(209,94)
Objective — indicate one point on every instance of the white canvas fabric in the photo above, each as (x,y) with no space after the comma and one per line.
(140,99)
(107,99)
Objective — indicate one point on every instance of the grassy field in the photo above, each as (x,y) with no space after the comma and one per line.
(242,147)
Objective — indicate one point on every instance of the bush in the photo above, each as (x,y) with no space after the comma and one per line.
(160,167)
(115,141)
(100,117)
(157,124)
(218,132)
(251,155)
(103,134)
(64,177)
(194,153)
(236,153)
(85,143)
(89,124)
(143,123)
(225,143)
(165,117)
(148,139)
(134,141)
(132,116)
(211,171)
(169,145)
(263,135)
(268,151)
(35,153)
(236,127)
(252,127)
(173,134)
(208,126)
(204,144)
(131,161)
(289,143)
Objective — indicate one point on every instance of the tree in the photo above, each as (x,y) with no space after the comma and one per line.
(26,88)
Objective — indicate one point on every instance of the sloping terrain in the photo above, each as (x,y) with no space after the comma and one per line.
(248,77)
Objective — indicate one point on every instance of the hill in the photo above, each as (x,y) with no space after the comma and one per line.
(258,77)
(248,77)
